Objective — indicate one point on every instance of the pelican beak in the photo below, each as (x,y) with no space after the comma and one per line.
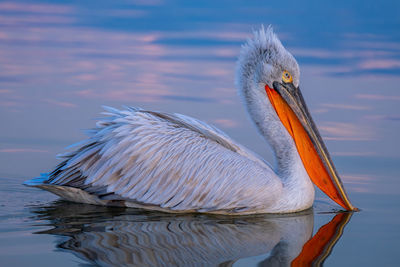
(290,107)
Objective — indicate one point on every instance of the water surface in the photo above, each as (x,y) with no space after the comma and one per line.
(60,61)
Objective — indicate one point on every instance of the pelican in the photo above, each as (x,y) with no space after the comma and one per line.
(174,163)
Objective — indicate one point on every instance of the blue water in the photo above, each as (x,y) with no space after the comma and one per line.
(61,60)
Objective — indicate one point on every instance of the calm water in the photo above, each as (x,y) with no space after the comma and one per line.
(60,61)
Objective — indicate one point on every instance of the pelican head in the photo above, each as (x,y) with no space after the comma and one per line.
(268,78)
(265,59)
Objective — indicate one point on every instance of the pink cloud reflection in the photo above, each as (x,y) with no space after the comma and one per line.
(344,106)
(360,183)
(353,154)
(27,19)
(60,103)
(22,150)
(35,8)
(9,104)
(379,64)
(226,123)
(378,97)
(124,95)
(342,131)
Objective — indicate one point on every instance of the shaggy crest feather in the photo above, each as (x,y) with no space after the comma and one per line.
(262,54)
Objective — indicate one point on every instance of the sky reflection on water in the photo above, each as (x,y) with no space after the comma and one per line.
(60,61)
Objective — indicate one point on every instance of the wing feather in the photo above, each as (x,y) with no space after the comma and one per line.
(167,160)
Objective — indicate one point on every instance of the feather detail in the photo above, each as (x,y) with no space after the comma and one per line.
(166,160)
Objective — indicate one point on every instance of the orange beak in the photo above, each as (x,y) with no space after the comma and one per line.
(293,113)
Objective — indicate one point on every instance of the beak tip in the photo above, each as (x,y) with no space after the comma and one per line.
(352,209)
(355,209)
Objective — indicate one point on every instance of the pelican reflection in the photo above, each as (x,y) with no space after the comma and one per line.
(126,237)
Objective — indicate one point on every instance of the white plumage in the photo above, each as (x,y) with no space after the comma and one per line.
(175,163)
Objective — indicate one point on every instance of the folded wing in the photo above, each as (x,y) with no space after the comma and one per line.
(166,160)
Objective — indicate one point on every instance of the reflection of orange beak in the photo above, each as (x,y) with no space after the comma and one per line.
(292,111)
(318,248)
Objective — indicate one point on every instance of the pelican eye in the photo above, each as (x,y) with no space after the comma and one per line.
(287,77)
